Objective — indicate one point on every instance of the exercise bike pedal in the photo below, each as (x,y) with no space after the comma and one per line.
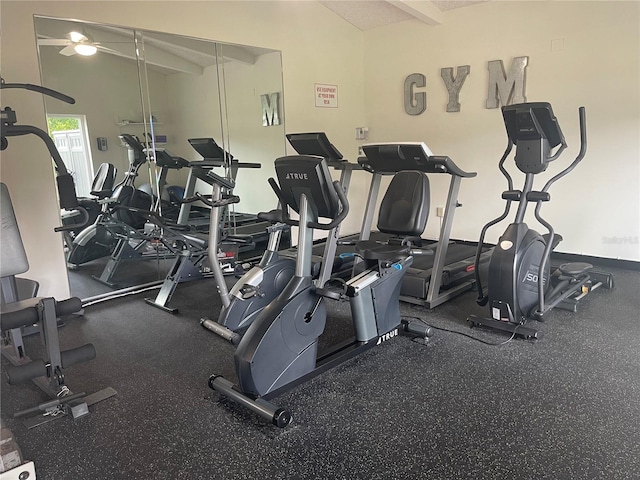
(249,291)
(335,291)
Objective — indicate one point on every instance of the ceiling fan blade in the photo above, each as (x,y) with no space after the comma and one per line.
(68,51)
(53,41)
(77,37)
(107,50)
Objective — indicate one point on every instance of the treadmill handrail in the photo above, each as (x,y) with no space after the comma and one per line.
(407,156)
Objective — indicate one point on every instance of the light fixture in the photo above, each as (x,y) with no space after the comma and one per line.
(85,49)
(77,37)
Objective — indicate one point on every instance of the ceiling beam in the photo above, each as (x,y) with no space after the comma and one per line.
(235,52)
(423,10)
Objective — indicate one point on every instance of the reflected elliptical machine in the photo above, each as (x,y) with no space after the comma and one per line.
(520,283)
(280,348)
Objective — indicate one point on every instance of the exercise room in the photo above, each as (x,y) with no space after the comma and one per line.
(320,239)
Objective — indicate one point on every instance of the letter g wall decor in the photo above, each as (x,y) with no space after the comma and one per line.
(504,88)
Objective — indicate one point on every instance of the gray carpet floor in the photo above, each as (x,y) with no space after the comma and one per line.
(564,407)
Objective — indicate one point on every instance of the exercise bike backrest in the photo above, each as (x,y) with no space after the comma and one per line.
(309,175)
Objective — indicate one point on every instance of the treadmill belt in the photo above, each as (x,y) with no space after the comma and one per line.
(455,253)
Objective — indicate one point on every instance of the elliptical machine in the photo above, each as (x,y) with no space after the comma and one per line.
(520,284)
(280,348)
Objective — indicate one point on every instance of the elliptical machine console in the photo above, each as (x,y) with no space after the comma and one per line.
(521,286)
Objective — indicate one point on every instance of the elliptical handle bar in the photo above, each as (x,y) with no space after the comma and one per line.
(583,150)
(482,298)
(39,89)
(547,250)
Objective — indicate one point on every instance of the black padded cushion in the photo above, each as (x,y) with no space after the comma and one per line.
(405,207)
(372,250)
(103,181)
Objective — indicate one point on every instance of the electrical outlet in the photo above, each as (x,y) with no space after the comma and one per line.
(361,133)
(440,212)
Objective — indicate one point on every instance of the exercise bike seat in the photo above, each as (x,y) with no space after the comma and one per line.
(372,250)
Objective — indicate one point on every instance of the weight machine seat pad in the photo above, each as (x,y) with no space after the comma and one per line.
(12,307)
(405,207)
(13,258)
(574,269)
(372,250)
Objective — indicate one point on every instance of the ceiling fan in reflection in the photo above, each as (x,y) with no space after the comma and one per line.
(75,43)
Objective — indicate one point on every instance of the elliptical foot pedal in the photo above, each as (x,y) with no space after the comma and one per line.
(575,269)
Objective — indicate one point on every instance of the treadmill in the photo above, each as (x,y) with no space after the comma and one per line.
(441,269)
(245,229)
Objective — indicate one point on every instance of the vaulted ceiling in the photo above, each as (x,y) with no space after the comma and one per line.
(172,54)
(368,14)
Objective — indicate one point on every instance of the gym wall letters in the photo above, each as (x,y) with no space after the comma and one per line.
(270,109)
(504,88)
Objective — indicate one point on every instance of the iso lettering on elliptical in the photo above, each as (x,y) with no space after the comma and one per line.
(387,336)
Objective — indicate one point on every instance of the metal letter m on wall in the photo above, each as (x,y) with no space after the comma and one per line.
(270,112)
(504,89)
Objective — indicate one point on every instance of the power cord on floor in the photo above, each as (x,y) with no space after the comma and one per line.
(120,295)
(415,340)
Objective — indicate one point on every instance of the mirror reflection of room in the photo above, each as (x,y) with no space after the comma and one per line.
(140,128)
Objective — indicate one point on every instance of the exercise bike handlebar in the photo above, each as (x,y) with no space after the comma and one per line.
(343,211)
(198,197)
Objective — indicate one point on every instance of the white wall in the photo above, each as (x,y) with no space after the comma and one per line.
(317,47)
(597,67)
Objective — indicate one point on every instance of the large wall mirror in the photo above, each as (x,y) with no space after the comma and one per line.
(161,89)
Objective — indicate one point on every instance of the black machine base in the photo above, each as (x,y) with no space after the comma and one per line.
(280,417)
(521,330)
